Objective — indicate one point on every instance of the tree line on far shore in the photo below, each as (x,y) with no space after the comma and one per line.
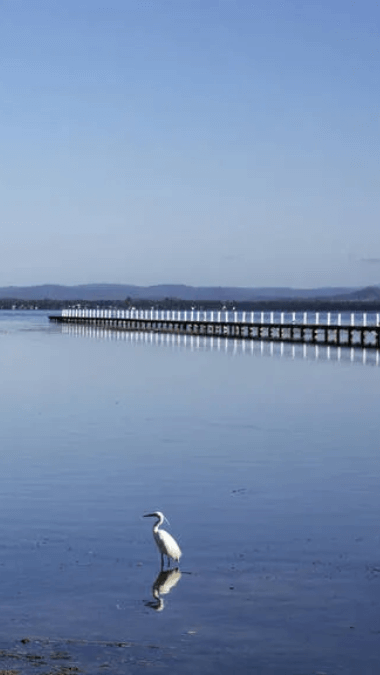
(286,305)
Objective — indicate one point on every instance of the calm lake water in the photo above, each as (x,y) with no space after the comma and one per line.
(266,466)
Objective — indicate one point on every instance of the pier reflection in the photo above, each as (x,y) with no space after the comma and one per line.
(165,582)
(231,347)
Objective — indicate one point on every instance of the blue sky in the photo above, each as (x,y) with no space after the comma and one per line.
(207,142)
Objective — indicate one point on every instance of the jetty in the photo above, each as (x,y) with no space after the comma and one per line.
(336,329)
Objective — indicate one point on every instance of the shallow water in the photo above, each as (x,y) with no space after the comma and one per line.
(267,468)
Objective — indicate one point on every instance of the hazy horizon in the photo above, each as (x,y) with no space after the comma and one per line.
(170,283)
(215,143)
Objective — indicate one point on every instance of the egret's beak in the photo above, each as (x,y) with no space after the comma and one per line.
(149,515)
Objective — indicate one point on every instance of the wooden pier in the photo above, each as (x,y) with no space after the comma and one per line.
(190,323)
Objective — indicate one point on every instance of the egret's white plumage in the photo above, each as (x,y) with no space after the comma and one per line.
(166,544)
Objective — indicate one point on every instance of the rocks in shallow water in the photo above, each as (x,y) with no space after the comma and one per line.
(41,656)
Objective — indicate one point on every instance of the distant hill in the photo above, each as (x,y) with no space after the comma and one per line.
(110,292)
(368,294)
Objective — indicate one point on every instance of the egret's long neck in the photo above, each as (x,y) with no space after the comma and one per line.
(158,523)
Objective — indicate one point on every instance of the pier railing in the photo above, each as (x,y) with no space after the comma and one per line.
(355,319)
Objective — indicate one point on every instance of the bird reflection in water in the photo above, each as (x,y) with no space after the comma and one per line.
(164,583)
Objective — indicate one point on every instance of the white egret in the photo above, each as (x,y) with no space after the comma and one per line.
(165,542)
